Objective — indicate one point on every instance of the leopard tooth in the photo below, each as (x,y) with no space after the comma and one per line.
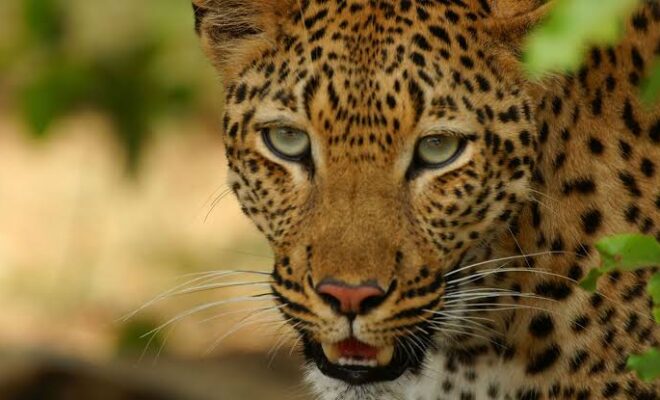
(385,356)
(331,352)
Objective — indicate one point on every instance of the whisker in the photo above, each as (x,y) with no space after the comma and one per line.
(460,294)
(245,322)
(490,296)
(441,324)
(463,333)
(445,314)
(201,277)
(214,286)
(217,201)
(510,258)
(224,314)
(503,270)
(487,307)
(204,307)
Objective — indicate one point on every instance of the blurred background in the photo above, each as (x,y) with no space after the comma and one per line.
(111,192)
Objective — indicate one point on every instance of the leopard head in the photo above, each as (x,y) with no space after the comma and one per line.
(379,146)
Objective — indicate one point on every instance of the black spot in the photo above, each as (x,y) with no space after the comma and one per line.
(629,118)
(309,91)
(597,103)
(584,185)
(317,52)
(241,93)
(418,59)
(417,97)
(557,105)
(654,132)
(440,33)
(596,146)
(575,272)
(544,131)
(591,221)
(483,83)
(637,59)
(467,62)
(452,16)
(632,213)
(391,101)
(553,289)
(625,150)
(648,167)
(421,42)
(630,183)
(611,389)
(542,361)
(640,22)
(578,359)
(541,325)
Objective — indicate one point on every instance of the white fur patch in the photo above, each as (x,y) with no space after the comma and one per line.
(487,377)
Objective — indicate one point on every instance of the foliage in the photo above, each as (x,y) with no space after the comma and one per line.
(130,341)
(560,42)
(651,85)
(630,253)
(623,252)
(126,85)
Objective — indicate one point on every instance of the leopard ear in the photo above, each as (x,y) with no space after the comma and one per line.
(510,20)
(234,28)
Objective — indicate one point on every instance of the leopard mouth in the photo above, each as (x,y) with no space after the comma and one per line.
(358,363)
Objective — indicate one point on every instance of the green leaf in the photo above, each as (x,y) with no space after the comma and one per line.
(559,43)
(654,291)
(591,281)
(646,365)
(628,252)
(651,85)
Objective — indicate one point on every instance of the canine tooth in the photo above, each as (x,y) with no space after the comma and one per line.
(385,355)
(331,352)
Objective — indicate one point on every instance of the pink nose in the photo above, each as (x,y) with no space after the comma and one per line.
(350,299)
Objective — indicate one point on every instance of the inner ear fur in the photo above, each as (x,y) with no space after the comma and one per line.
(230,29)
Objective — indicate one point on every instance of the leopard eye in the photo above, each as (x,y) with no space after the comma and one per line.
(287,143)
(438,150)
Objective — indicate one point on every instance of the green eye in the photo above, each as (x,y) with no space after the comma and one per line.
(287,143)
(439,150)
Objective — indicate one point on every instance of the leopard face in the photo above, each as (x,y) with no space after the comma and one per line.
(379,146)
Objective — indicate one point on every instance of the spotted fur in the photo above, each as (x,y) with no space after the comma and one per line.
(551,167)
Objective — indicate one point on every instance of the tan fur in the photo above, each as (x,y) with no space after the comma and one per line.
(548,169)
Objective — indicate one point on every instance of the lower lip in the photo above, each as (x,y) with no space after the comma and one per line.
(353,374)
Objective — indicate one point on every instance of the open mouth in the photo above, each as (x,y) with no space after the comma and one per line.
(356,362)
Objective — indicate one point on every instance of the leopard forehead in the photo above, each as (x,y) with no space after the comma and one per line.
(365,81)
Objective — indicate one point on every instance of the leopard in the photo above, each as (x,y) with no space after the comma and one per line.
(431,208)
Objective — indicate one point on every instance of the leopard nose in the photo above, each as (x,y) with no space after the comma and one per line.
(350,299)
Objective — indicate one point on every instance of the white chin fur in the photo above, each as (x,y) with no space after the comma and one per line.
(326,388)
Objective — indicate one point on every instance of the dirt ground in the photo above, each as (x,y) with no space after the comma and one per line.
(237,377)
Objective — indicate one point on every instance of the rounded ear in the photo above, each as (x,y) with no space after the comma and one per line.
(233,28)
(511,20)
